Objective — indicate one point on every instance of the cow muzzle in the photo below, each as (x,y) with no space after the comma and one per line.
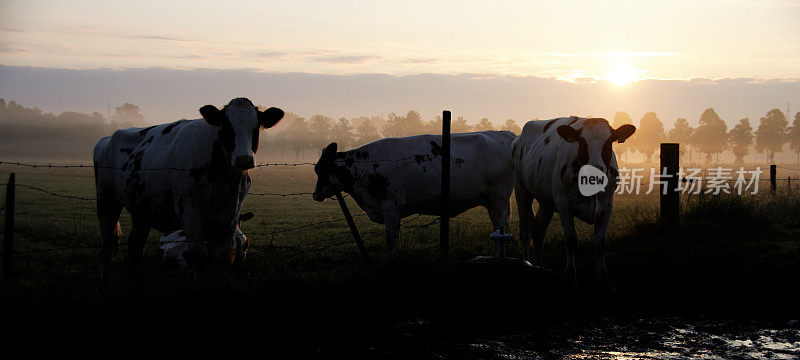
(245,162)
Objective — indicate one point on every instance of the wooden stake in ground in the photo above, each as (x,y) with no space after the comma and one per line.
(352,224)
(8,240)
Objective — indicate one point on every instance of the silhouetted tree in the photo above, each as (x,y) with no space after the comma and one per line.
(622,118)
(794,136)
(740,138)
(460,126)
(649,135)
(682,133)
(484,125)
(298,136)
(126,116)
(771,133)
(320,127)
(365,131)
(511,125)
(342,133)
(711,136)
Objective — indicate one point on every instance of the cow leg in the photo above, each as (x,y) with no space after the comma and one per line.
(108,211)
(600,229)
(140,230)
(572,244)
(540,223)
(391,219)
(499,210)
(525,210)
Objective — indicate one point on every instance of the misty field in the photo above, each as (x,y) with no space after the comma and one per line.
(732,258)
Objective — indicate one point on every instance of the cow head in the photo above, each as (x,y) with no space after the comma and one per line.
(327,182)
(594,141)
(239,123)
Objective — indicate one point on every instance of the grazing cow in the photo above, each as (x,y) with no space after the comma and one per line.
(393,178)
(547,158)
(173,249)
(190,175)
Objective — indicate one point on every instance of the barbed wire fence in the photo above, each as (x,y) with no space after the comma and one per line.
(266,240)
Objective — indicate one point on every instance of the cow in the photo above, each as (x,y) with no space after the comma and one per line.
(547,157)
(189,175)
(393,178)
(173,249)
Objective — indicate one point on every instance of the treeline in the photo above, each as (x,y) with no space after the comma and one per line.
(28,133)
(297,134)
(711,137)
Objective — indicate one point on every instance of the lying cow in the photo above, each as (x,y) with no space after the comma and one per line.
(548,156)
(396,177)
(173,249)
(190,175)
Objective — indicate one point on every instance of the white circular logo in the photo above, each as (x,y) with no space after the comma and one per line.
(591,180)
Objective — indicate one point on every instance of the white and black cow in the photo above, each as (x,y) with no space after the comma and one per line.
(189,175)
(396,177)
(173,249)
(547,157)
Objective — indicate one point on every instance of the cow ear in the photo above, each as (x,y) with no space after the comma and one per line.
(246,216)
(329,153)
(568,133)
(623,132)
(212,115)
(268,118)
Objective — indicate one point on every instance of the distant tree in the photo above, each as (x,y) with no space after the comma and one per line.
(682,133)
(320,127)
(711,135)
(414,124)
(298,137)
(511,125)
(365,131)
(794,136)
(740,138)
(622,118)
(484,125)
(126,116)
(771,133)
(649,135)
(460,126)
(342,133)
(434,126)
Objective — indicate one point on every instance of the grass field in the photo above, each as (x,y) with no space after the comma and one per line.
(732,257)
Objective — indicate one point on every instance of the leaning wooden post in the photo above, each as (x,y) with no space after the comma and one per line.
(670,197)
(8,234)
(772,178)
(444,223)
(352,224)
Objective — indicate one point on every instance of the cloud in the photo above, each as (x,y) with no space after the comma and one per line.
(347,59)
(152,37)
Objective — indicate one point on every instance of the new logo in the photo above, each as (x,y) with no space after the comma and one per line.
(591,180)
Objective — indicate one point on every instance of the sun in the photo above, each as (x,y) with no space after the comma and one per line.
(621,74)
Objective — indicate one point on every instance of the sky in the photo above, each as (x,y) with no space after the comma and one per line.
(561,39)
(737,56)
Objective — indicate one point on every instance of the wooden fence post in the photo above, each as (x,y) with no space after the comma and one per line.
(772,178)
(353,229)
(670,197)
(444,223)
(789,185)
(8,239)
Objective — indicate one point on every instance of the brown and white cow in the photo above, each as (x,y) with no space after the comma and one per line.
(189,175)
(547,158)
